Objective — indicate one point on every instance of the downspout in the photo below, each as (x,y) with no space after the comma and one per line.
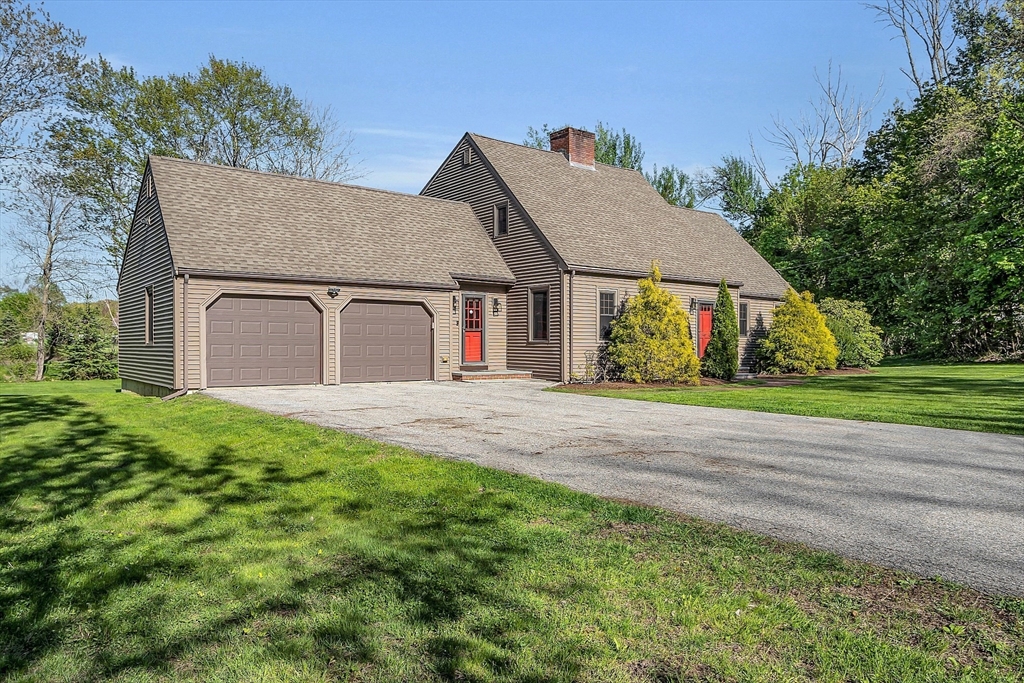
(184,342)
(184,334)
(571,274)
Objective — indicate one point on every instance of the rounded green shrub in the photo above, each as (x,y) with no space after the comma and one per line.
(859,342)
(722,354)
(798,340)
(650,341)
(17,362)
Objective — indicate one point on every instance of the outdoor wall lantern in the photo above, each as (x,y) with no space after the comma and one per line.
(693,305)
(497,306)
(333,291)
(455,303)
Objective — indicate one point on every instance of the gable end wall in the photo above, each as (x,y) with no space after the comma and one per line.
(529,259)
(147,263)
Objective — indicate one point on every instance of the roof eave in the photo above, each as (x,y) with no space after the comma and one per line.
(318,279)
(670,277)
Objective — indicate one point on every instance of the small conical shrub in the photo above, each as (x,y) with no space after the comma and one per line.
(650,341)
(722,354)
(798,340)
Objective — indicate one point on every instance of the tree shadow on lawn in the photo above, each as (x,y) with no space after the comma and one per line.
(109,541)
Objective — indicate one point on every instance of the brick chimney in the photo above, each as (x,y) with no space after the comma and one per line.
(577,145)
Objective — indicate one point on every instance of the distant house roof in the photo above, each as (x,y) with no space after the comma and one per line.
(240,222)
(611,219)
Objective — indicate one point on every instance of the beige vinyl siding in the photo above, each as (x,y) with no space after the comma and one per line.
(147,263)
(586,318)
(495,332)
(204,291)
(524,252)
(759,319)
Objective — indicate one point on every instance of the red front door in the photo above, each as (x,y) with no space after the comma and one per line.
(473,330)
(704,328)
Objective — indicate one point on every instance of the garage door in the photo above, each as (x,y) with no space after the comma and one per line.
(384,342)
(259,340)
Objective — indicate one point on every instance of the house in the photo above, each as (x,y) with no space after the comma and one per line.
(511,261)
(234,277)
(577,235)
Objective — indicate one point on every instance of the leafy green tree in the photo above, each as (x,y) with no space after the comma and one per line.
(650,341)
(722,355)
(798,340)
(227,113)
(617,148)
(39,57)
(87,351)
(17,313)
(676,186)
(859,342)
(735,186)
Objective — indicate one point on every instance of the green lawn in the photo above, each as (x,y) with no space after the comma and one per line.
(983,397)
(196,540)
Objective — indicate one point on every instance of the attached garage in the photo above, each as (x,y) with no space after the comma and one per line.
(238,278)
(253,341)
(385,342)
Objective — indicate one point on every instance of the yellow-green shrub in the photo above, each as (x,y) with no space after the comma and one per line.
(650,341)
(798,340)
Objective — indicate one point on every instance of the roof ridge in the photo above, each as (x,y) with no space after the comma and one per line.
(285,176)
(548,151)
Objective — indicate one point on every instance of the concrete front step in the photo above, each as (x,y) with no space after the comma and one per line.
(478,375)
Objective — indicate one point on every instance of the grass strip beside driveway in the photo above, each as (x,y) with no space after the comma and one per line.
(197,540)
(981,397)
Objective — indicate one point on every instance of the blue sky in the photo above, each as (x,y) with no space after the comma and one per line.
(691,80)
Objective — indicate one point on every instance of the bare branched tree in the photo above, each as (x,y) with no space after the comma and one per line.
(325,153)
(37,56)
(831,132)
(51,243)
(927,25)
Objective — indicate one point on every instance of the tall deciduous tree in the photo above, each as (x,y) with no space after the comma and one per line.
(51,243)
(227,113)
(676,186)
(38,58)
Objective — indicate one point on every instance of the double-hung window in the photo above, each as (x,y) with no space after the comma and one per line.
(744,312)
(606,313)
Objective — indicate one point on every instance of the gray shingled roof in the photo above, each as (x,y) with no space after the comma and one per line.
(612,219)
(246,222)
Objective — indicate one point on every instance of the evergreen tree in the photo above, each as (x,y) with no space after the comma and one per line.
(722,356)
(88,352)
(798,340)
(650,341)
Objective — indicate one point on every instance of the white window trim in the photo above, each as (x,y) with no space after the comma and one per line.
(615,294)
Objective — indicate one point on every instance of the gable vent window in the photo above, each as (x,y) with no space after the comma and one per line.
(501,220)
(744,313)
(149,315)
(466,157)
(606,311)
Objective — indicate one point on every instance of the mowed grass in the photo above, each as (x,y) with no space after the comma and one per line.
(197,540)
(982,397)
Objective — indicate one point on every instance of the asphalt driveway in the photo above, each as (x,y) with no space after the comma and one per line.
(930,501)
